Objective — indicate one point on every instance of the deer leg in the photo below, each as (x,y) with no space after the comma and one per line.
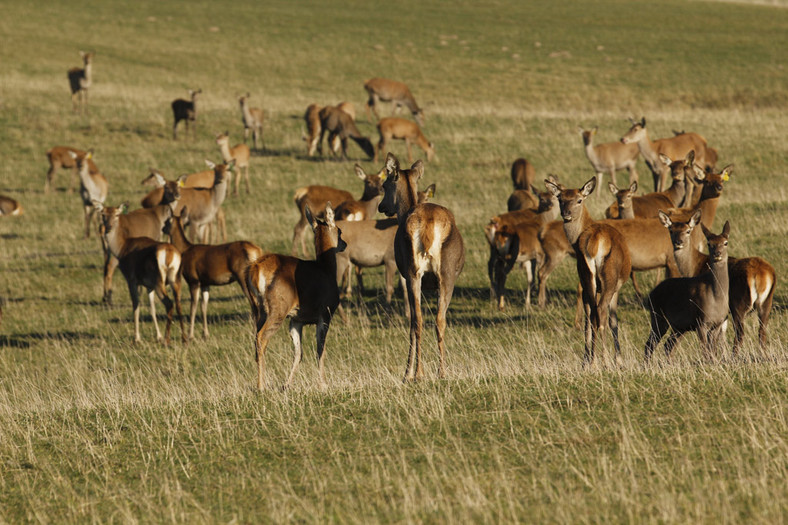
(134,293)
(51,175)
(175,130)
(671,341)
(321,331)
(205,297)
(738,329)
(529,273)
(175,284)
(579,308)
(764,310)
(414,301)
(444,298)
(407,145)
(404,287)
(267,325)
(295,334)
(613,323)
(89,210)
(246,136)
(110,263)
(152,300)
(389,270)
(380,149)
(359,280)
(246,178)
(638,293)
(161,292)
(194,290)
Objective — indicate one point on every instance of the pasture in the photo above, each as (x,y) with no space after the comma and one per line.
(96,428)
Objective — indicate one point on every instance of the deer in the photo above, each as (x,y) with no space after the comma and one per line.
(398,93)
(185,110)
(80,79)
(401,129)
(313,137)
(203,266)
(675,147)
(200,179)
(239,152)
(93,186)
(340,126)
(751,280)
(647,206)
(253,121)
(145,263)
(60,157)
(316,198)
(603,263)
(10,207)
(429,252)
(697,303)
(283,286)
(609,157)
(524,195)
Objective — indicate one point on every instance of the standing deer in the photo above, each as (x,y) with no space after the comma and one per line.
(9,207)
(60,157)
(428,249)
(80,79)
(401,129)
(524,195)
(609,157)
(283,286)
(239,152)
(367,205)
(253,121)
(185,110)
(603,263)
(203,266)
(148,263)
(751,280)
(385,90)
(693,303)
(93,187)
(340,126)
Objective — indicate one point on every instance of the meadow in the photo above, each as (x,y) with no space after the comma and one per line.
(96,428)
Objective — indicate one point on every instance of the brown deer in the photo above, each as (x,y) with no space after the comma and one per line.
(80,79)
(253,121)
(366,207)
(148,263)
(60,157)
(675,147)
(609,157)
(385,90)
(203,266)
(693,303)
(316,198)
(313,128)
(401,129)
(711,187)
(185,110)
(429,252)
(603,263)
(340,126)
(524,196)
(283,286)
(241,154)
(751,280)
(93,187)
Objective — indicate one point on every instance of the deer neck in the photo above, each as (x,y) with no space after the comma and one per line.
(219,192)
(116,240)
(178,236)
(676,192)
(720,280)
(689,260)
(648,149)
(591,152)
(577,225)
(247,114)
(407,198)
(88,73)
(224,148)
(709,210)
(370,206)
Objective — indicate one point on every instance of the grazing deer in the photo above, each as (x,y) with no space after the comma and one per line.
(751,280)
(93,187)
(9,207)
(401,129)
(385,90)
(203,203)
(148,263)
(603,263)
(282,286)
(60,157)
(239,152)
(316,198)
(340,126)
(693,303)
(675,147)
(185,110)
(203,266)
(428,249)
(80,79)
(253,121)
(609,157)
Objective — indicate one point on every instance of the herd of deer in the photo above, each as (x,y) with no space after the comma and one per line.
(420,239)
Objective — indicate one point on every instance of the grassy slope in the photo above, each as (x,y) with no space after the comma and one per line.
(91,425)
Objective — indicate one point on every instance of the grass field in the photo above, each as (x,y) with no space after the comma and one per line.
(95,428)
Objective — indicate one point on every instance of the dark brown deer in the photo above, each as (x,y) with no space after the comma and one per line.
(385,90)
(185,110)
(80,79)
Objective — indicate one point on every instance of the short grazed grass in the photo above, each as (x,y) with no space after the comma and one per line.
(94,428)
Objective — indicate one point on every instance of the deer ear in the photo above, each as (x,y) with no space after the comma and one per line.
(124,208)
(695,219)
(700,175)
(690,158)
(588,187)
(594,130)
(182,181)
(665,159)
(210,164)
(392,164)
(664,219)
(430,192)
(633,187)
(726,172)
(643,122)
(72,155)
(726,229)
(612,187)
(552,187)
(705,230)
(330,215)
(360,172)
(418,167)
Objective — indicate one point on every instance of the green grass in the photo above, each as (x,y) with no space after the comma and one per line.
(94,428)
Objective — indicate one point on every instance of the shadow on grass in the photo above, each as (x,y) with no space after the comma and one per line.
(26,340)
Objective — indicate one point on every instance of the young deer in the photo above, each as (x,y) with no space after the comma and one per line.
(693,303)
(428,249)
(316,198)
(203,266)
(80,79)
(609,157)
(603,263)
(93,187)
(148,263)
(239,152)
(60,157)
(401,129)
(185,110)
(340,126)
(282,286)
(385,90)
(9,207)
(675,147)
(751,280)
(253,121)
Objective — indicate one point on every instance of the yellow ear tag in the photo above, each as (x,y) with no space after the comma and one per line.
(725,177)
(383,177)
(89,156)
(180,184)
